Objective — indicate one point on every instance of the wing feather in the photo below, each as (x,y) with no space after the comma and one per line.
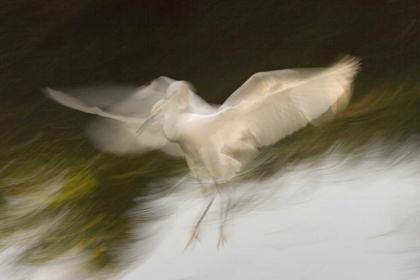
(272,105)
(115,130)
(76,104)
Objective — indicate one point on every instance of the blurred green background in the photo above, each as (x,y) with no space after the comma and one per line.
(212,44)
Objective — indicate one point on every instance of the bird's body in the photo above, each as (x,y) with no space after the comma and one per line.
(217,141)
(213,161)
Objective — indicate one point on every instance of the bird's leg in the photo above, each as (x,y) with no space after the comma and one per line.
(223,217)
(204,191)
(197,226)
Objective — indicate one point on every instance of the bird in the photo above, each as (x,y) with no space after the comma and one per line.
(217,141)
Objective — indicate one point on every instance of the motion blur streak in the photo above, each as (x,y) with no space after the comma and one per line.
(330,218)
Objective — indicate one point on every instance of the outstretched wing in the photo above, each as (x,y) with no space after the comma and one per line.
(122,111)
(272,105)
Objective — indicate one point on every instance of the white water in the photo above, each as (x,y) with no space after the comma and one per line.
(334,221)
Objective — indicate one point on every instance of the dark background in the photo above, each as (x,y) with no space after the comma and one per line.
(214,45)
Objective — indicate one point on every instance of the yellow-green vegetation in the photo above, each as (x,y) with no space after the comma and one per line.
(62,205)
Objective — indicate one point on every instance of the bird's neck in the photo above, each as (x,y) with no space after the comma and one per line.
(169,126)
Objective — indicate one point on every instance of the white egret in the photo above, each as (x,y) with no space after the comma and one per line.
(217,141)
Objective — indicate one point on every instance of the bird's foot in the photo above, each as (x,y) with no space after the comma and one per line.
(222,239)
(194,236)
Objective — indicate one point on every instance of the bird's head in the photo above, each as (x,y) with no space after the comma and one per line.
(177,101)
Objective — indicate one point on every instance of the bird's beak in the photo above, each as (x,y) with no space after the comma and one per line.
(147,122)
